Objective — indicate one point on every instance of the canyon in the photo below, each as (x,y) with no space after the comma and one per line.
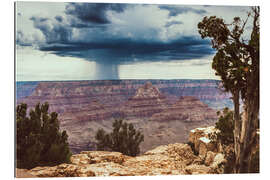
(163,110)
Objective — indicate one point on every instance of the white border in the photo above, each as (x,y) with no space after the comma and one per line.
(7,86)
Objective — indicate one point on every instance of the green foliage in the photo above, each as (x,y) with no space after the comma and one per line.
(39,140)
(232,61)
(124,138)
(237,59)
(225,125)
(225,136)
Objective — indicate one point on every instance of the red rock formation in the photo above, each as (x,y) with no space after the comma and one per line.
(188,109)
(147,101)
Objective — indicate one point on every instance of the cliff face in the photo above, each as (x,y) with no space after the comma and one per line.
(154,107)
(172,159)
(187,109)
(147,101)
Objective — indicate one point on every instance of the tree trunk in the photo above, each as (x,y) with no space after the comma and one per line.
(250,136)
(249,140)
(250,122)
(245,137)
(237,147)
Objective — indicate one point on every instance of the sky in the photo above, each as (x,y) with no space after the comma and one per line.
(96,41)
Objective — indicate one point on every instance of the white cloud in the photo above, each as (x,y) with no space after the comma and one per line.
(35,65)
(184,69)
(149,22)
(139,22)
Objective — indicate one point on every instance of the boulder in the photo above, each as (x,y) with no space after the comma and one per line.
(205,145)
(200,137)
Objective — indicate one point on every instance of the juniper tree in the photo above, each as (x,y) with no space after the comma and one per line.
(39,139)
(124,138)
(237,63)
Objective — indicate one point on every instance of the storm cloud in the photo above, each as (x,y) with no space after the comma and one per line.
(93,12)
(104,42)
(117,34)
(126,50)
(54,32)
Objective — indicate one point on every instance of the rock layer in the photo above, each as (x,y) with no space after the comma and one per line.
(187,109)
(147,101)
(117,91)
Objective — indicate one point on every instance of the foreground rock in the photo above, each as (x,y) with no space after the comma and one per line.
(200,137)
(172,159)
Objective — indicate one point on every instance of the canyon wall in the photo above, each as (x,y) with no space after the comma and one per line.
(164,110)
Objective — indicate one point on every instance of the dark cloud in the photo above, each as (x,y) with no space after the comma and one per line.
(93,12)
(77,23)
(168,24)
(39,19)
(109,55)
(59,18)
(127,51)
(176,10)
(53,32)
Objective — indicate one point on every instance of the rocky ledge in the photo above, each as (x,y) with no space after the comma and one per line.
(172,159)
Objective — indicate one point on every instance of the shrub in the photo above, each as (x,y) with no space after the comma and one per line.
(39,140)
(225,125)
(124,138)
(225,136)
